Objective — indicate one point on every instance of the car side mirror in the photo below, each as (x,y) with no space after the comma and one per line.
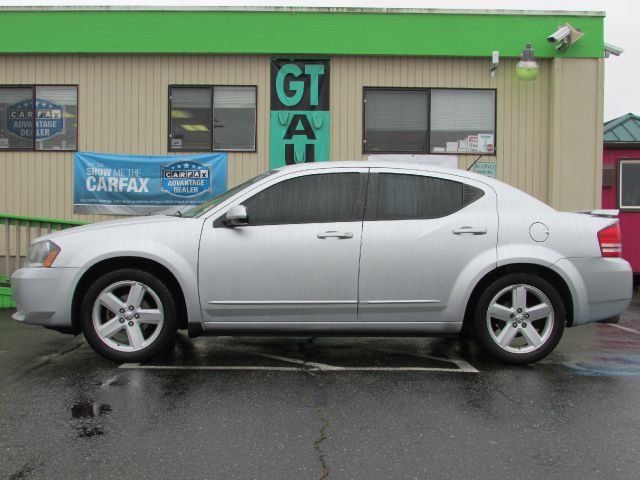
(236,216)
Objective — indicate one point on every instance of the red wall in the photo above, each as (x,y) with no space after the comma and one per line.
(629,221)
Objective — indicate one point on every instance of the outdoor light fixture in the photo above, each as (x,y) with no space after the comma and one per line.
(527,67)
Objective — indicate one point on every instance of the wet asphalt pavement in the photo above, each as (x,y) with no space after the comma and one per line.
(301,408)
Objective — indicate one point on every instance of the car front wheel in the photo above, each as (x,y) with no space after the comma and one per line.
(129,315)
(519,318)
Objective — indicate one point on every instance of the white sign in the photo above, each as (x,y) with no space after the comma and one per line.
(488,169)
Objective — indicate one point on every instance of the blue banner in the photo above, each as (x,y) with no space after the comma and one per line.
(139,184)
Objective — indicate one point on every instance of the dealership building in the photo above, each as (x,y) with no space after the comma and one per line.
(287,85)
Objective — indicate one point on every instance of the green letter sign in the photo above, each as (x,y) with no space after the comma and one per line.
(299,112)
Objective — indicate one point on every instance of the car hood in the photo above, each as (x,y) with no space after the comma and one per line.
(128,222)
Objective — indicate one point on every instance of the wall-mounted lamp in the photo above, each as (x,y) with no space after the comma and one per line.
(527,67)
(495,60)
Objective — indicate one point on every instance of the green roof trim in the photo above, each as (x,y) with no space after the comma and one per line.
(293,32)
(624,129)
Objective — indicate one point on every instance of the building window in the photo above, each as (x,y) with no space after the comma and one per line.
(54,109)
(205,118)
(429,120)
(463,121)
(190,118)
(629,192)
(395,120)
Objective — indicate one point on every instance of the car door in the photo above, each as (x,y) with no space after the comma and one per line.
(422,234)
(297,258)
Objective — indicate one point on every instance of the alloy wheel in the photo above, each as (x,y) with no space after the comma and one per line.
(127,316)
(520,318)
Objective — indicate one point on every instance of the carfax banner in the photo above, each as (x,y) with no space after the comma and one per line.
(299,111)
(139,185)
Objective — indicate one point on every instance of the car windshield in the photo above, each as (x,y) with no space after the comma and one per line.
(203,207)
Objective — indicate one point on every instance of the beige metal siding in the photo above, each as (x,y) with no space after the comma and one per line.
(522,108)
(575,154)
(123,108)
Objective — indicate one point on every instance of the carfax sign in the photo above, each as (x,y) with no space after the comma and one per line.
(137,184)
(299,112)
(49,119)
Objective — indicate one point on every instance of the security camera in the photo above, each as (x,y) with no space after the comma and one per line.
(612,50)
(559,35)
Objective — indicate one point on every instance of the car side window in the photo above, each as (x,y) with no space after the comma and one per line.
(405,197)
(316,198)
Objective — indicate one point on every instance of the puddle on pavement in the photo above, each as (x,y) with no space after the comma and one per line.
(86,416)
(88,431)
(89,410)
(602,364)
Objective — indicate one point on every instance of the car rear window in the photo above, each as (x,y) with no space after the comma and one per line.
(404,197)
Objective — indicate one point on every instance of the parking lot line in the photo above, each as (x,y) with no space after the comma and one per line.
(313,368)
(319,366)
(626,329)
(459,362)
(205,367)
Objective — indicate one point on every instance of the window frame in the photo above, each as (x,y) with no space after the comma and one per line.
(428,150)
(394,89)
(622,208)
(211,119)
(34,87)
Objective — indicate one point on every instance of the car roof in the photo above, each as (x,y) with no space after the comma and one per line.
(389,164)
(512,196)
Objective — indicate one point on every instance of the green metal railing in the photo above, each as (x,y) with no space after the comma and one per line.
(16,234)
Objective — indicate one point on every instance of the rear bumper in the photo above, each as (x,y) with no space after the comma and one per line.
(601,287)
(43,295)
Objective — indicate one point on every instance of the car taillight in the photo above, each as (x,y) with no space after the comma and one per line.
(610,240)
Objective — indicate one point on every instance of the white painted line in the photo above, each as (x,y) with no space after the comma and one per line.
(319,366)
(204,367)
(462,365)
(296,369)
(407,369)
(626,329)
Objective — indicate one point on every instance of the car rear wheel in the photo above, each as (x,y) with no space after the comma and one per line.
(129,315)
(519,319)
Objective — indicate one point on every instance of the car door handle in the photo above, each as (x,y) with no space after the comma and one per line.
(470,231)
(334,234)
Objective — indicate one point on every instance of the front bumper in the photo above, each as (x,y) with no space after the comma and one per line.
(602,287)
(43,296)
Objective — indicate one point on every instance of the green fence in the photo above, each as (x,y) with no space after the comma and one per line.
(16,234)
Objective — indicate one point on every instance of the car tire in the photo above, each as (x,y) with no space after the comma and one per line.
(519,318)
(129,315)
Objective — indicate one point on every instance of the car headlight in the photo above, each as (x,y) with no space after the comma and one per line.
(42,254)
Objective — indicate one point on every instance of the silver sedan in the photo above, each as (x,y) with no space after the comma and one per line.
(334,248)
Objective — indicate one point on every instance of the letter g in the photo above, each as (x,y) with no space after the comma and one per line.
(296,85)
